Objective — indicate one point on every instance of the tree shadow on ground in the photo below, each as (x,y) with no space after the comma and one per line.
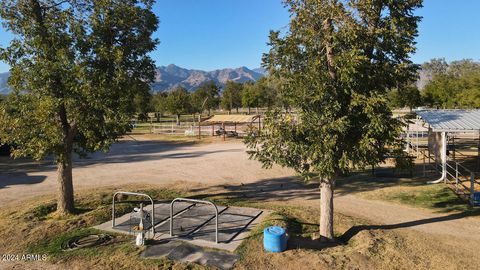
(272,189)
(350,233)
(122,152)
(296,241)
(382,177)
(22,178)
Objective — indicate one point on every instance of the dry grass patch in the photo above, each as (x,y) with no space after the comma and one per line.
(34,228)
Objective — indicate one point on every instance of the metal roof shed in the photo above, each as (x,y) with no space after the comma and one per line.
(232,119)
(450,121)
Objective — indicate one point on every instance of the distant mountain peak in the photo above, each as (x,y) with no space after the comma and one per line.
(171,76)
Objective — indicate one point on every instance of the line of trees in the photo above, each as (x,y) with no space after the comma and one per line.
(208,97)
(441,85)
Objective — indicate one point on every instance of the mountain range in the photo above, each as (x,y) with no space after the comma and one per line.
(171,76)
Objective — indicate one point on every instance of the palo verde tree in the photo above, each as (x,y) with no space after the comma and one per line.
(335,64)
(76,66)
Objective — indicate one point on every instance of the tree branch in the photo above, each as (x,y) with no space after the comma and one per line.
(327,28)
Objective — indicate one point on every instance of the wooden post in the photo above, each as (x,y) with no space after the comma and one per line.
(424,165)
(259,127)
(199,127)
(213,131)
(472,187)
(151,124)
(235,125)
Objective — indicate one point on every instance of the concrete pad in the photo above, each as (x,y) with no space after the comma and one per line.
(161,249)
(162,213)
(196,224)
(187,222)
(185,252)
(232,245)
(231,222)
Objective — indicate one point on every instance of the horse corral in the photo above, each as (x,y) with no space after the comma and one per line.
(447,142)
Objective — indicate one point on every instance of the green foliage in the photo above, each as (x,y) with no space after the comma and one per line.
(40,212)
(266,92)
(142,104)
(178,102)
(436,66)
(457,87)
(76,67)
(206,97)
(250,96)
(262,93)
(232,96)
(408,96)
(159,103)
(335,65)
(403,161)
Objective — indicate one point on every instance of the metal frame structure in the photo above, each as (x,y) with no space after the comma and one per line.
(194,201)
(445,123)
(134,194)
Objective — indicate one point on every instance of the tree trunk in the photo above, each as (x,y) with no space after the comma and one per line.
(64,183)
(178,119)
(326,211)
(248,110)
(236,109)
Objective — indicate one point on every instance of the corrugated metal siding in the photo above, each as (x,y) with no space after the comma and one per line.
(451,120)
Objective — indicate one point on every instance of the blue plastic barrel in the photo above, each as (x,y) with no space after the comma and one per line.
(476,198)
(274,239)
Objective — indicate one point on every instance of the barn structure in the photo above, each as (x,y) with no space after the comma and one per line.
(446,132)
(228,124)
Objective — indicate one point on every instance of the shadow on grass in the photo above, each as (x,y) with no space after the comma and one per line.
(272,189)
(363,181)
(298,241)
(350,233)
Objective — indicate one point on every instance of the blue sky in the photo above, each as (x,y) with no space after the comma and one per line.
(211,34)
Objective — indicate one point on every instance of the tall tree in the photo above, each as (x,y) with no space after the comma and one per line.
(436,66)
(336,63)
(250,96)
(457,87)
(206,95)
(142,103)
(267,95)
(232,96)
(75,69)
(178,102)
(159,103)
(408,96)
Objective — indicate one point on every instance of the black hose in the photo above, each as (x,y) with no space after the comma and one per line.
(86,241)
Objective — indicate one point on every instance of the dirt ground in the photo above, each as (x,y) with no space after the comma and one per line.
(416,238)
(141,161)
